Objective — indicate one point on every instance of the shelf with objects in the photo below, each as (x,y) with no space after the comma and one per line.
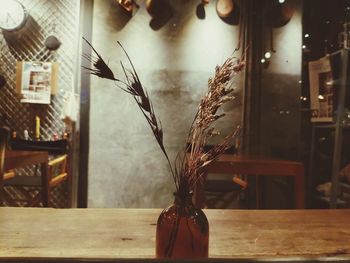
(329,167)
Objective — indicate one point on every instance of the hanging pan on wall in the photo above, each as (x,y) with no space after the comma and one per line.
(225,8)
(158,8)
(161,11)
(228,11)
(279,14)
(52,42)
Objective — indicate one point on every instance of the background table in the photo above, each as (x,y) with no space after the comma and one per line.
(259,166)
(120,234)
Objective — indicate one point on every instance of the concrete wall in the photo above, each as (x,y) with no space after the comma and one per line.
(174,62)
(280,105)
(281,89)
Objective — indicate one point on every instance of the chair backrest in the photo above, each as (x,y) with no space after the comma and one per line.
(52,147)
(57,170)
(199,196)
(258,166)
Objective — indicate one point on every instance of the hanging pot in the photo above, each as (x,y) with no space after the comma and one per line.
(228,11)
(280,14)
(158,8)
(52,43)
(225,8)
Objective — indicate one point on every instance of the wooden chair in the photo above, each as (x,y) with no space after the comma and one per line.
(29,187)
(234,164)
(3,140)
(223,192)
(4,175)
(219,192)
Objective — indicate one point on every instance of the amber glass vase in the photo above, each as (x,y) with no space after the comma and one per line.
(182,230)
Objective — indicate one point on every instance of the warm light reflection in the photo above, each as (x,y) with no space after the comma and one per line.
(268,55)
(285,39)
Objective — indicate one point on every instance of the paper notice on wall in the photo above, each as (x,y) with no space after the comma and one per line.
(36,82)
(70,107)
(322,93)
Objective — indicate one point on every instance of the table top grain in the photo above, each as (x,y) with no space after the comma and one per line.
(43,233)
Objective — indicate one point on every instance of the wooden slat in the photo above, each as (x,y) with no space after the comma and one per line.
(58,160)
(130,233)
(8,175)
(16,159)
(58,179)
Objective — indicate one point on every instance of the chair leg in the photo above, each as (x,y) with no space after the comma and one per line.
(258,192)
(45,185)
(35,202)
(2,193)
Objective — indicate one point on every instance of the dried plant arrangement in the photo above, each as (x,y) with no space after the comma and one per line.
(187,171)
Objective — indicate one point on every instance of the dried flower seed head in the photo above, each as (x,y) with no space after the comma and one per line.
(100,68)
(189,167)
(219,92)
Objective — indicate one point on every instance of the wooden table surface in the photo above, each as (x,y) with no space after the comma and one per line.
(46,233)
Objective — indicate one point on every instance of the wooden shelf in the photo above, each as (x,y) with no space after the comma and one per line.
(339,61)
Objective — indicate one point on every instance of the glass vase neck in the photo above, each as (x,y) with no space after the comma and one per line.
(183,198)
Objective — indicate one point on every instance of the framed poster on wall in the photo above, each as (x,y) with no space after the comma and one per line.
(36,81)
(322,91)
